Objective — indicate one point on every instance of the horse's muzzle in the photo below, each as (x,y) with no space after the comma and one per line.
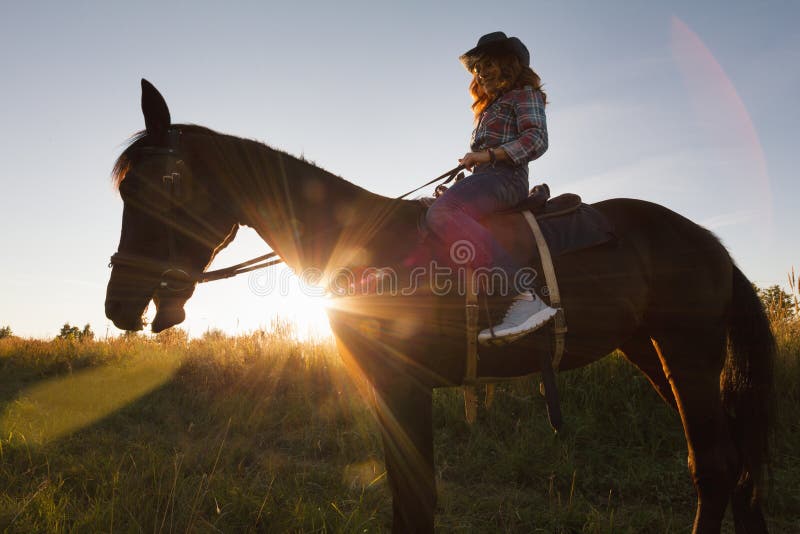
(166,317)
(122,318)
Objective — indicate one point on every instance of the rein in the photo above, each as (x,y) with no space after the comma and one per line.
(169,271)
(450,175)
(174,278)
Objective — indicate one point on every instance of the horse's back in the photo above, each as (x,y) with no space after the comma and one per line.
(687,270)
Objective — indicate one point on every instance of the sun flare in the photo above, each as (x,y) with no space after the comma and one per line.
(258,300)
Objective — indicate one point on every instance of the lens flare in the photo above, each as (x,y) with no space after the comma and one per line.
(723,113)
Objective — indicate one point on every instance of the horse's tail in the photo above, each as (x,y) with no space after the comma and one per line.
(747,380)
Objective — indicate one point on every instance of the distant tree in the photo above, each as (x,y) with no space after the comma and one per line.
(777,302)
(6,332)
(86,334)
(69,332)
(74,333)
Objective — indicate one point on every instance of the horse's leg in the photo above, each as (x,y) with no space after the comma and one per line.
(405,413)
(693,359)
(640,351)
(747,515)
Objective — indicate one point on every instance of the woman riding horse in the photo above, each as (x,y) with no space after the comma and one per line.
(666,293)
(510,131)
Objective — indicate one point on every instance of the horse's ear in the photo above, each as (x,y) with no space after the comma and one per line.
(154,107)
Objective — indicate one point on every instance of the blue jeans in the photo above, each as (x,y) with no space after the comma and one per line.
(453,218)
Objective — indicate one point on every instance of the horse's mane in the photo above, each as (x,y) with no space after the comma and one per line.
(210,149)
(125,160)
(130,155)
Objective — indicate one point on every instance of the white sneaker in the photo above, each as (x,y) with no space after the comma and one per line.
(527,313)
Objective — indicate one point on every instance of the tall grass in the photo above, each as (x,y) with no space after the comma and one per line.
(785,322)
(265,433)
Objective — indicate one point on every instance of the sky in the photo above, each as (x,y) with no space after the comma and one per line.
(693,105)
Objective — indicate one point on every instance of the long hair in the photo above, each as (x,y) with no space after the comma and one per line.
(515,76)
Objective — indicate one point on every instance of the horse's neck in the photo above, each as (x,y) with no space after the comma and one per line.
(315,219)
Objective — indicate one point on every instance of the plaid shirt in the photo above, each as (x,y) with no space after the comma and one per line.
(516,123)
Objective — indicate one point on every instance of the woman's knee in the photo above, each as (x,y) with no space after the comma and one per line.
(440,215)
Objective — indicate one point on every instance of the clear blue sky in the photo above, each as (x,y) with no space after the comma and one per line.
(693,105)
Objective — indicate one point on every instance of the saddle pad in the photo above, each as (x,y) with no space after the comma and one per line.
(567,223)
(581,228)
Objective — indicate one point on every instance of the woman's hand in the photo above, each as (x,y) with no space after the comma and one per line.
(471,159)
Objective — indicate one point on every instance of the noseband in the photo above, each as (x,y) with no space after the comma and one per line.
(172,277)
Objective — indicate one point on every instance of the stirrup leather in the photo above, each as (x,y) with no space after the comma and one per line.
(548,367)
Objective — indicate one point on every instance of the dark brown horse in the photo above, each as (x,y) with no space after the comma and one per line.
(665,292)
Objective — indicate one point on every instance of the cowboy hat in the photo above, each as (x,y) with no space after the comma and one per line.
(496,42)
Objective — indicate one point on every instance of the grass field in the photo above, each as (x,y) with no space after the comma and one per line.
(264,433)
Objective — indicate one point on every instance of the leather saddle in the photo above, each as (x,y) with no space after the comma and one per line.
(567,223)
(538,202)
(542,206)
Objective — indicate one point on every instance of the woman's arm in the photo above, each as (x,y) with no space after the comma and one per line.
(532,127)
(471,159)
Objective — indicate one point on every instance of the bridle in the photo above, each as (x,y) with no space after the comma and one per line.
(174,278)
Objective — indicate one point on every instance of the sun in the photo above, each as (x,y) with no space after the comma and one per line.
(294,301)
(256,300)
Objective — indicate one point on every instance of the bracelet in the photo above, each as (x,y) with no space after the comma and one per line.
(492,157)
